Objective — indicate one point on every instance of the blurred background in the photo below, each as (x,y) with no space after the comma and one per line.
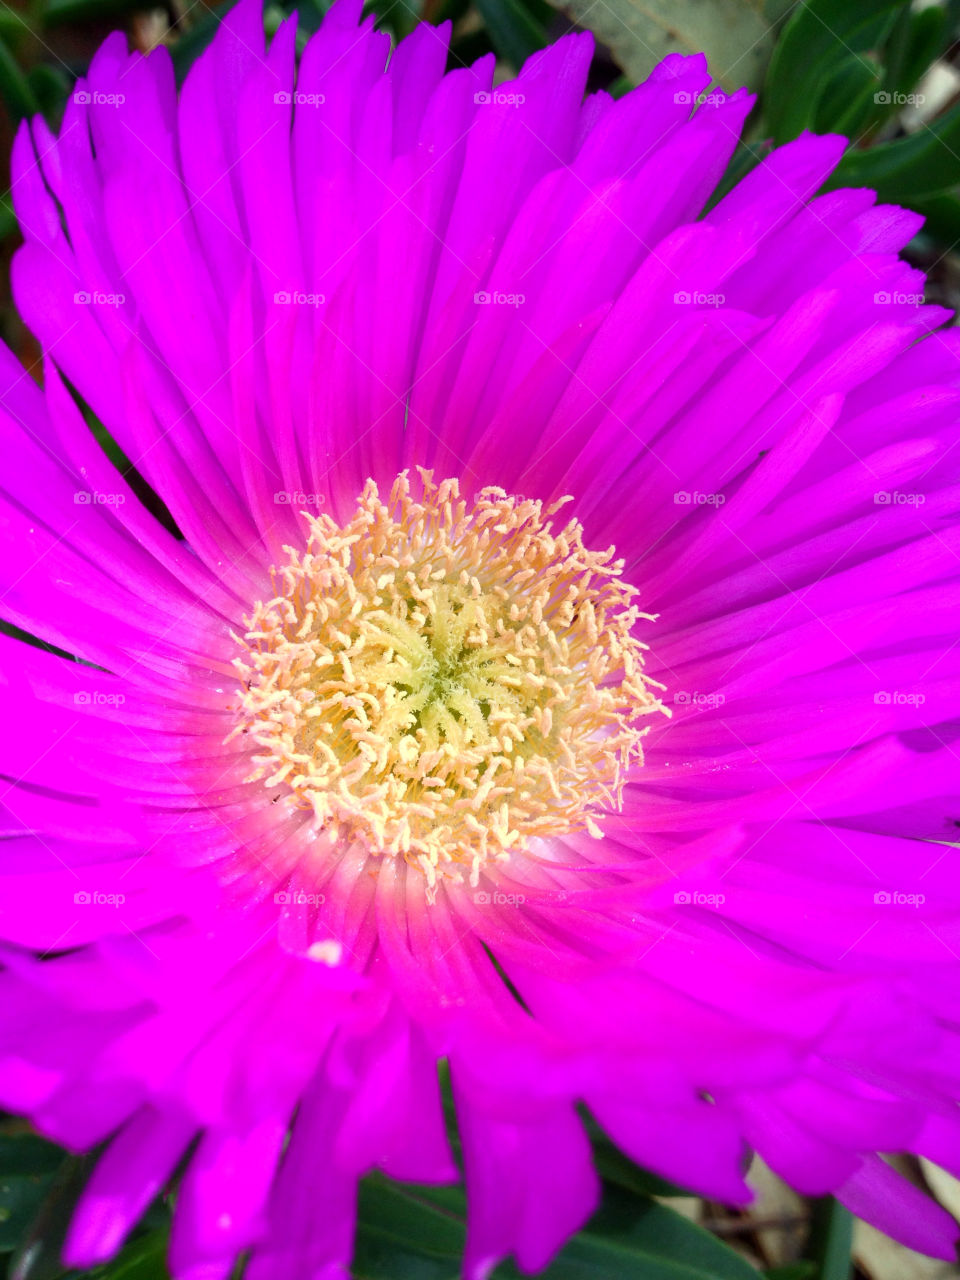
(886,73)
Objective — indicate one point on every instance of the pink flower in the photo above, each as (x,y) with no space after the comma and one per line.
(522,633)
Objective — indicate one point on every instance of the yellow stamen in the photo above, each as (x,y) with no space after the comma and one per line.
(446,682)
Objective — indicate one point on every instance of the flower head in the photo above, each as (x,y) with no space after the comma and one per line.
(446,683)
(521,633)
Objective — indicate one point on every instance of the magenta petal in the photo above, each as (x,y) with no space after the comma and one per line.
(132,1172)
(730,928)
(530,1183)
(880,1196)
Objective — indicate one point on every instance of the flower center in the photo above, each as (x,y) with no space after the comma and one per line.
(446,682)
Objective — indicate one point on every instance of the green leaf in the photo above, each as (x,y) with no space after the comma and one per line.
(942,214)
(437,11)
(57,11)
(590,1257)
(189,46)
(13,27)
(613,1166)
(917,40)
(908,169)
(273,19)
(8,219)
(413,1233)
(734,34)
(819,42)
(15,89)
(378,1257)
(468,46)
(38,1253)
(853,98)
(49,86)
(803,1270)
(650,1241)
(405,1214)
(399,17)
(143,1259)
(830,1239)
(621,86)
(27,1155)
(417,1233)
(20,1198)
(513,30)
(27,1166)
